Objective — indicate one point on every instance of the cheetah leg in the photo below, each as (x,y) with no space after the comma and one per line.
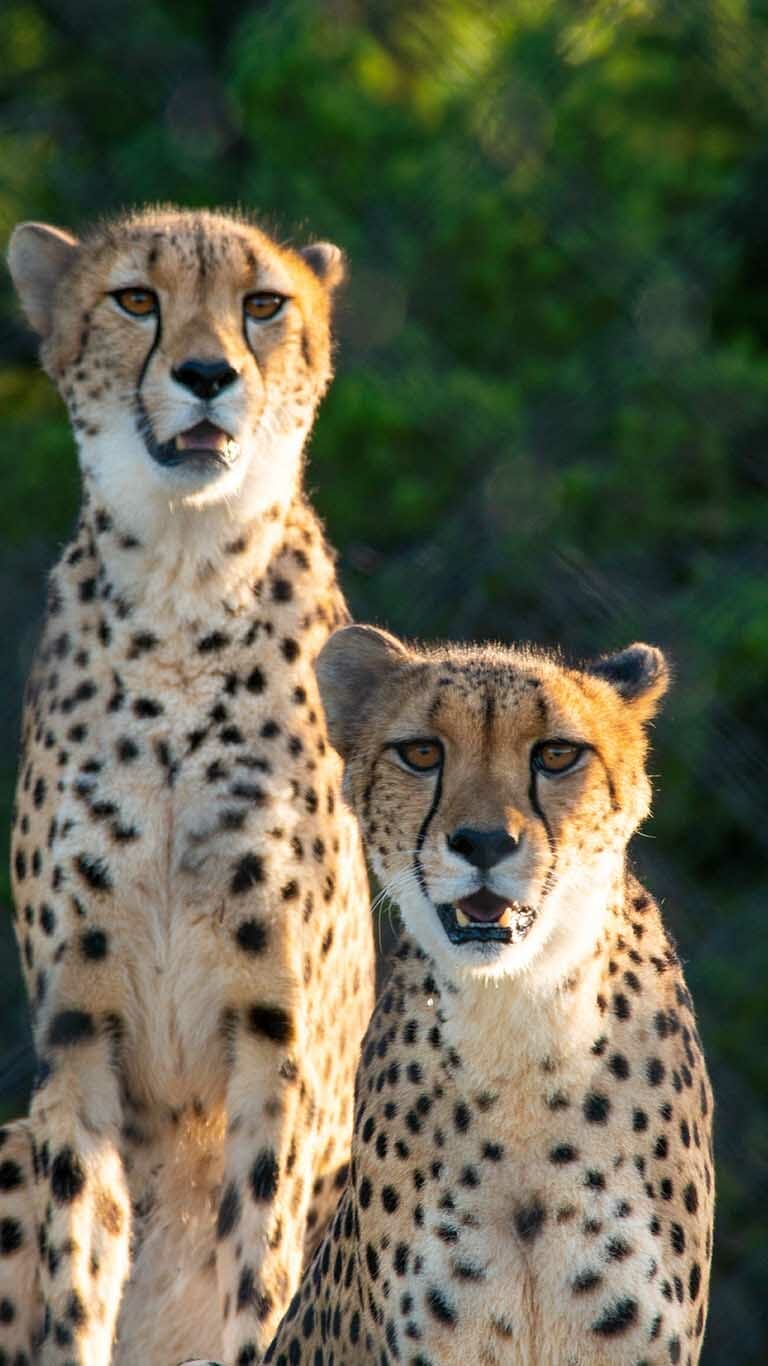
(21,1311)
(81,1194)
(267,1186)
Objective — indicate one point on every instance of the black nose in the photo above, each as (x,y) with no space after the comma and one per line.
(482,848)
(206,378)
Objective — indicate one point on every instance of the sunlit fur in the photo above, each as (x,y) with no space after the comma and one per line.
(192,903)
(105,362)
(531,1178)
(489,707)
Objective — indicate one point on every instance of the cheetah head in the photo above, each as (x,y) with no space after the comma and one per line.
(190,348)
(496,789)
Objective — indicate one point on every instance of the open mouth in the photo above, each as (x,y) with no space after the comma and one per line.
(484,918)
(204,444)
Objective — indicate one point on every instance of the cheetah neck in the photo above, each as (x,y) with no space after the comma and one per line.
(187,557)
(188,564)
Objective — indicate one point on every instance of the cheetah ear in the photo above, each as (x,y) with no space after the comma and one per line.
(38,257)
(327,262)
(351,667)
(639,674)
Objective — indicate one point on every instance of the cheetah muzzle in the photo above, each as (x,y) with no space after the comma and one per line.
(485,918)
(202,447)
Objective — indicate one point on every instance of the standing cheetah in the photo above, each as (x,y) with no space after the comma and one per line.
(191,898)
(531,1179)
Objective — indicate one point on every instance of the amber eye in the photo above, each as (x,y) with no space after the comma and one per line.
(263,305)
(555,756)
(138,302)
(421,755)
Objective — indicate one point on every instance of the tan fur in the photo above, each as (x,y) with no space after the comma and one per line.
(191,900)
(532,1170)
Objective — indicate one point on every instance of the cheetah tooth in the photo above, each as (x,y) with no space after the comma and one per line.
(462,918)
(505,919)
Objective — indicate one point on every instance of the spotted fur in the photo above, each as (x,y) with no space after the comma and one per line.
(531,1179)
(191,900)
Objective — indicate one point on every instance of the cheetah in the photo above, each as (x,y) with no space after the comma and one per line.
(191,895)
(531,1179)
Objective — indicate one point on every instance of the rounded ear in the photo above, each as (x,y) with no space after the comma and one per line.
(351,668)
(639,674)
(38,257)
(327,262)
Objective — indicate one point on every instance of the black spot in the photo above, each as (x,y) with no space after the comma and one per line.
(529,1220)
(272,1022)
(11,1237)
(619,1066)
(256,682)
(563,1153)
(586,1281)
(229,1211)
(597,1108)
(248,873)
(290,649)
(216,640)
(251,936)
(93,944)
(146,707)
(655,1071)
(677,1239)
(694,1281)
(440,1308)
(11,1175)
(264,1176)
(47,919)
(245,1288)
(691,1198)
(70,1027)
(616,1319)
(141,643)
(462,1117)
(76,1311)
(67,1176)
(493,1152)
(282,590)
(390,1199)
(95,872)
(372,1260)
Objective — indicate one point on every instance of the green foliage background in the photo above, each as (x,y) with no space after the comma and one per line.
(549,420)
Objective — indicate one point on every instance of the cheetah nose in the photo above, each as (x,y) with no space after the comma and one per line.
(205,378)
(482,848)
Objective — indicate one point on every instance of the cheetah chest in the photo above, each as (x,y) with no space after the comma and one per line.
(178,817)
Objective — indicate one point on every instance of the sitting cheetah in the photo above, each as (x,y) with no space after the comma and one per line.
(531,1178)
(191,899)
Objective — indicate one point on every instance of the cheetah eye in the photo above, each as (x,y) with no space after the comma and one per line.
(423,756)
(263,305)
(555,756)
(138,302)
